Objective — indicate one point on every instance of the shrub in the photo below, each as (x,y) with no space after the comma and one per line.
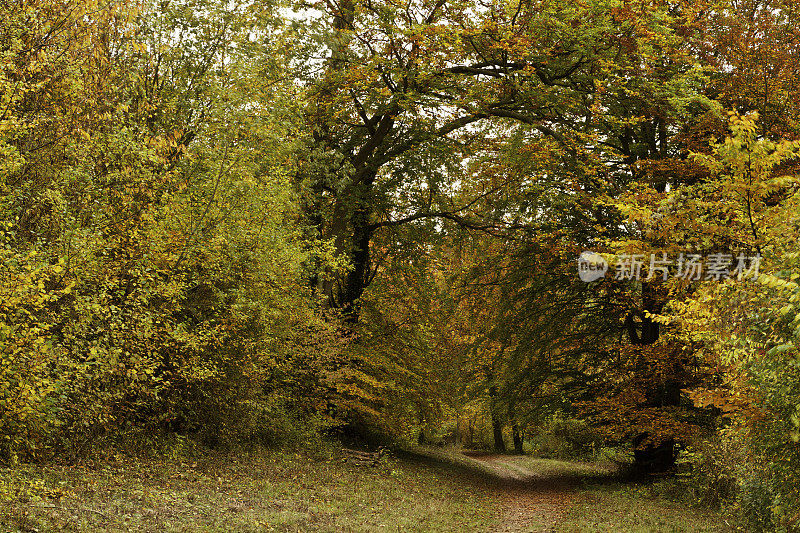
(564,438)
(713,471)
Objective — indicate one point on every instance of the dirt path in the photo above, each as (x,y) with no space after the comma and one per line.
(535,495)
(534,500)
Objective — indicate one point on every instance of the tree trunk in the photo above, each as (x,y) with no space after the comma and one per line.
(497,428)
(518,438)
(652,457)
(516,434)
(358,277)
(497,424)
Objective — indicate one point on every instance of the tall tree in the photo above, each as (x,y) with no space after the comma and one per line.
(406,95)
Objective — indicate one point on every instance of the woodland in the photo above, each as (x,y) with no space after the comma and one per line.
(236,222)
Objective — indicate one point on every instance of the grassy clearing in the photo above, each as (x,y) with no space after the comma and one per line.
(318,491)
(637,509)
(257,491)
(602,503)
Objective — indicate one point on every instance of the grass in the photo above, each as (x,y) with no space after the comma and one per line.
(604,504)
(258,491)
(636,509)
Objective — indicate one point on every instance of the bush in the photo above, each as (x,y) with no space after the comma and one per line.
(735,472)
(713,472)
(564,438)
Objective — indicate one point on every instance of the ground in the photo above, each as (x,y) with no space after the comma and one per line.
(567,496)
(421,490)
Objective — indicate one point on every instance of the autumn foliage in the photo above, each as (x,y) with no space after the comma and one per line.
(239,222)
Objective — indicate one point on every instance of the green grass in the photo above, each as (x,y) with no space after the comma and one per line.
(637,509)
(318,491)
(253,492)
(603,504)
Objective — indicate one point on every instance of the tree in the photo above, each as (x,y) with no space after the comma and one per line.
(146,202)
(746,328)
(405,97)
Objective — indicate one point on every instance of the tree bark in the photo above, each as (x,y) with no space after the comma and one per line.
(516,434)
(518,438)
(358,277)
(497,428)
(497,423)
(652,457)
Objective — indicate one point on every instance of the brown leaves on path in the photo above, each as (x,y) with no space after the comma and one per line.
(536,495)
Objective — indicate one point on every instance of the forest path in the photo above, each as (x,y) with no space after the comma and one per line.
(531,494)
(535,497)
(535,494)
